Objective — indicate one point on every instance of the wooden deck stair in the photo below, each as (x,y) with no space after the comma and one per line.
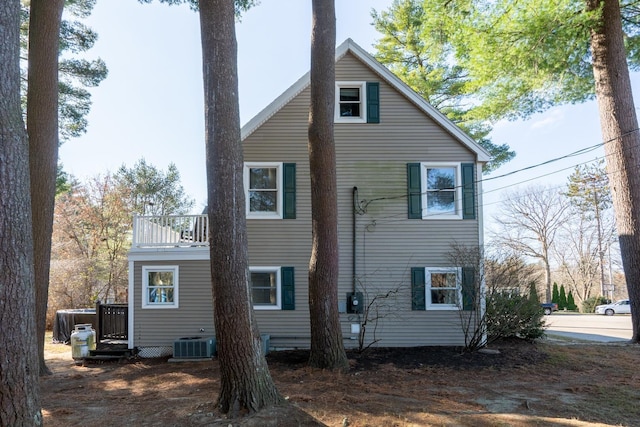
(109,352)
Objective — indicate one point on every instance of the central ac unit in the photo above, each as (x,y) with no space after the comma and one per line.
(194,347)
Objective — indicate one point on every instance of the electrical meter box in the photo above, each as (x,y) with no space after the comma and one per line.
(355,302)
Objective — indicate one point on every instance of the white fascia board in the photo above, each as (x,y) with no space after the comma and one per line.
(275,106)
(173,254)
(482,154)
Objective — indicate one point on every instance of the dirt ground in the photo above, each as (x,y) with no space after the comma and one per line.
(518,384)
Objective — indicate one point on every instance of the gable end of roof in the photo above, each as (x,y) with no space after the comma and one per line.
(347,46)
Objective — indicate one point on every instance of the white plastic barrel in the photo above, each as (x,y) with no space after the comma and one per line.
(83,339)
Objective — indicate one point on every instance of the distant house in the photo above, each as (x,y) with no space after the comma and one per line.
(408,189)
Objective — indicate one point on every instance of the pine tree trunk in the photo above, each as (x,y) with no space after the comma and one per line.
(622,141)
(327,348)
(42,127)
(19,390)
(246,384)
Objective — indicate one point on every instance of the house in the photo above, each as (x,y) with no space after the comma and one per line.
(408,189)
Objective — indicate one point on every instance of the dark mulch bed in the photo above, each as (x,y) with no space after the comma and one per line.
(501,354)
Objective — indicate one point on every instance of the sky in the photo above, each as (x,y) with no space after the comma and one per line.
(151,104)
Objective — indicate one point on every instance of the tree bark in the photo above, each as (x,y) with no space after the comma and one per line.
(327,348)
(19,389)
(622,141)
(42,128)
(245,384)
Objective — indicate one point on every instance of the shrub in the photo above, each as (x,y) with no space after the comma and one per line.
(555,295)
(510,316)
(571,303)
(533,293)
(562,299)
(589,305)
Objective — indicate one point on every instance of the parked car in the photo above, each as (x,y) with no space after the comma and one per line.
(549,307)
(619,307)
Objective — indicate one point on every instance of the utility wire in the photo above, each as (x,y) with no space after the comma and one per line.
(363,204)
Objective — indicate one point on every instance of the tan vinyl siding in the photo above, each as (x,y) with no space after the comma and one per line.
(160,327)
(372,157)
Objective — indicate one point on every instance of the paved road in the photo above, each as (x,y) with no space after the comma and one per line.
(590,327)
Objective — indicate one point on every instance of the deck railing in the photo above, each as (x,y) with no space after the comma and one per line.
(112,321)
(170,231)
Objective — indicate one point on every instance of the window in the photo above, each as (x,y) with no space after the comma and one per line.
(357,102)
(265,288)
(270,190)
(272,288)
(442,288)
(441,190)
(350,102)
(160,286)
(262,181)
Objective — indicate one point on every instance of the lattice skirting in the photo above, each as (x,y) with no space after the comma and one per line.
(152,352)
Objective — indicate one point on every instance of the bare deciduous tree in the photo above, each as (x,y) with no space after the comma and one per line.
(528,224)
(91,238)
(580,253)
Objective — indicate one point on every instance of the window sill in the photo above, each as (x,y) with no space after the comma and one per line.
(441,217)
(159,306)
(264,216)
(442,308)
(266,307)
(350,120)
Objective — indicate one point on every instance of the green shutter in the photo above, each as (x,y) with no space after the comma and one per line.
(287,288)
(418,289)
(468,288)
(373,102)
(468,191)
(289,190)
(414,190)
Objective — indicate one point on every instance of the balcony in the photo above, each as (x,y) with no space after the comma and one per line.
(170,231)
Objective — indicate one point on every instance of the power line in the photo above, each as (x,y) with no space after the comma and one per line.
(363,204)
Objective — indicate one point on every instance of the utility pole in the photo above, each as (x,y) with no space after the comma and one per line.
(599,225)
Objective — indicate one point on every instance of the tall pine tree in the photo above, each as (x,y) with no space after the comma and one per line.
(19,390)
(523,57)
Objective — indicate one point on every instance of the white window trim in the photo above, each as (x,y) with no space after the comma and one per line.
(362,118)
(427,276)
(457,191)
(278,305)
(145,286)
(264,215)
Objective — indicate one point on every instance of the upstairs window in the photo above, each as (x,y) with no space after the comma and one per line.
(350,101)
(441,191)
(270,190)
(264,189)
(357,102)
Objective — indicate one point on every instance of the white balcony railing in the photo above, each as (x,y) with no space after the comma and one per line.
(170,231)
